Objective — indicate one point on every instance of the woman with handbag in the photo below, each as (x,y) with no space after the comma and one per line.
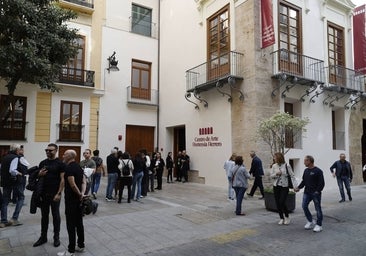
(284,180)
(239,177)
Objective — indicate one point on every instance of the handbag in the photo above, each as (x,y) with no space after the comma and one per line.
(290,185)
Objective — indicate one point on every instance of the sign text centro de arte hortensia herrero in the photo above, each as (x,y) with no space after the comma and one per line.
(206,139)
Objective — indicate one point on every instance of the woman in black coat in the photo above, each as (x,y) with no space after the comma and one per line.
(169,166)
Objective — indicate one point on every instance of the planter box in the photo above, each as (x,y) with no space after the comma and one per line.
(270,203)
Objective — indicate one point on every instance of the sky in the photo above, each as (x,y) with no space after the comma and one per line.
(359,2)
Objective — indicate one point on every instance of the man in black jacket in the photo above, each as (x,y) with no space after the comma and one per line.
(256,170)
(113,171)
(343,172)
(11,175)
(52,170)
(313,181)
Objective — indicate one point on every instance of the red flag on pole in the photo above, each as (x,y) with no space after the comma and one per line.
(359,38)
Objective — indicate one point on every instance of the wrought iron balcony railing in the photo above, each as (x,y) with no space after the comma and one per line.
(142,96)
(144,28)
(341,77)
(205,76)
(70,132)
(75,76)
(13,130)
(306,68)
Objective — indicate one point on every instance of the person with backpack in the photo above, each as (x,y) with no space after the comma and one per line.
(126,168)
(98,173)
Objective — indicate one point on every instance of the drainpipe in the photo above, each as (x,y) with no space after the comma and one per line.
(158,108)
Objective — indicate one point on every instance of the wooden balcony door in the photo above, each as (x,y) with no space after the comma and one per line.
(74,70)
(218,40)
(289,20)
(336,58)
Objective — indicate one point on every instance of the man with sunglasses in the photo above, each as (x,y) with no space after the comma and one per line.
(52,171)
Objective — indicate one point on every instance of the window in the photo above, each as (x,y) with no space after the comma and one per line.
(336,54)
(338,129)
(293,139)
(140,80)
(73,71)
(141,20)
(70,121)
(13,114)
(289,136)
(218,44)
(289,30)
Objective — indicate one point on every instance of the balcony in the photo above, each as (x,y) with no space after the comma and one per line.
(78,77)
(205,76)
(345,80)
(149,29)
(83,6)
(70,132)
(294,66)
(142,96)
(13,130)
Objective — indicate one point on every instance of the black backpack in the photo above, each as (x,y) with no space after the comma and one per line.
(126,169)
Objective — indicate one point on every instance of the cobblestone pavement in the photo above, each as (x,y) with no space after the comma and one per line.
(194,219)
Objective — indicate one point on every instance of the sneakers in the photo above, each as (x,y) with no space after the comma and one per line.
(342,200)
(94,195)
(281,222)
(109,199)
(6,224)
(40,241)
(79,249)
(65,253)
(317,228)
(249,195)
(286,221)
(309,225)
(56,242)
(15,222)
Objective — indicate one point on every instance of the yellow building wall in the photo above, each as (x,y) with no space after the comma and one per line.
(43,117)
(93,123)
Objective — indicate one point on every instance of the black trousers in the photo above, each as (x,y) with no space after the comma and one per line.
(170,175)
(145,183)
(257,183)
(280,194)
(47,203)
(159,178)
(74,224)
(125,181)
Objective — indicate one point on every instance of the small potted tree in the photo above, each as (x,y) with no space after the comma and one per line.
(274,132)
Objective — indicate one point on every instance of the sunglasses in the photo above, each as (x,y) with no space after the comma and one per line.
(49,150)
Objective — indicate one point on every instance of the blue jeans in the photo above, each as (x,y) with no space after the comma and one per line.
(96,182)
(316,198)
(239,191)
(112,179)
(345,180)
(230,189)
(19,192)
(136,180)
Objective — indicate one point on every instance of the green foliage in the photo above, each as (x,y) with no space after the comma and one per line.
(35,42)
(274,129)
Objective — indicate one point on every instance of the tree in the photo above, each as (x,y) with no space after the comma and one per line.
(274,129)
(35,42)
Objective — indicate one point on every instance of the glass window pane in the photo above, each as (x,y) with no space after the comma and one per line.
(135,78)
(141,20)
(145,80)
(65,113)
(75,114)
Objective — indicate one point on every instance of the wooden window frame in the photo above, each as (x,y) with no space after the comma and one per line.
(12,127)
(337,66)
(140,92)
(289,60)
(289,135)
(73,71)
(220,65)
(70,132)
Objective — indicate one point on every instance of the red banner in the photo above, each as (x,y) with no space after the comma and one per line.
(268,36)
(359,38)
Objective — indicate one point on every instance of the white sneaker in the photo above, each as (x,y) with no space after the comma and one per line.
(286,221)
(281,222)
(317,228)
(65,253)
(79,249)
(309,225)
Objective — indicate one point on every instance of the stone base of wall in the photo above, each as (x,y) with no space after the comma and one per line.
(193,176)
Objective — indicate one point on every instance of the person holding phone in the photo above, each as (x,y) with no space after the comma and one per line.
(52,169)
